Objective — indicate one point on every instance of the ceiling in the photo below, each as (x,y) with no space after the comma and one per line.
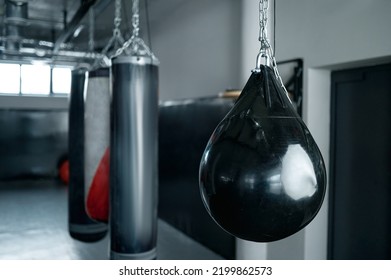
(45,29)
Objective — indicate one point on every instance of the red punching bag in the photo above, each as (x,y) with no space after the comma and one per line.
(63,171)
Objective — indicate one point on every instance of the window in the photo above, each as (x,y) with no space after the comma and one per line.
(10,78)
(61,80)
(34,79)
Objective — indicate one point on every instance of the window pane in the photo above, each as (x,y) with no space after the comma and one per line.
(9,78)
(61,79)
(35,79)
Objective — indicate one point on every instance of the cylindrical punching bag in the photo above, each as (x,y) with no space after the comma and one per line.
(81,227)
(97,138)
(133,162)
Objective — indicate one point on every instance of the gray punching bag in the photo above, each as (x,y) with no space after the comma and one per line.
(81,227)
(133,158)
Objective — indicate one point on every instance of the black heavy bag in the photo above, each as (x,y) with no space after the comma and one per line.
(133,158)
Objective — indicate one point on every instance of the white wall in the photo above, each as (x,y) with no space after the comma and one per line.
(198,45)
(328,35)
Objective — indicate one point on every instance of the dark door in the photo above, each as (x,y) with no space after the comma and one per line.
(360,185)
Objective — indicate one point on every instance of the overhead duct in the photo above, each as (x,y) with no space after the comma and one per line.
(15,19)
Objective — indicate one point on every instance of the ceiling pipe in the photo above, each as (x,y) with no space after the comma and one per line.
(62,57)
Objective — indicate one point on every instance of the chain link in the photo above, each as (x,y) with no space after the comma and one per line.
(266,51)
(135,18)
(263,18)
(115,41)
(136,45)
(117,18)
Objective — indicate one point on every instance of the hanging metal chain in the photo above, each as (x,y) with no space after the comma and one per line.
(115,41)
(263,17)
(91,42)
(117,38)
(135,18)
(117,18)
(263,39)
(135,43)
(266,51)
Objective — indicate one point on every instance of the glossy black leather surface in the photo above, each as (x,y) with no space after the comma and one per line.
(262,176)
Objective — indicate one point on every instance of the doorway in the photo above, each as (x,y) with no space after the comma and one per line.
(360,167)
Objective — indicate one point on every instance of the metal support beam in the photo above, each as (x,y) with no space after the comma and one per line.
(73,24)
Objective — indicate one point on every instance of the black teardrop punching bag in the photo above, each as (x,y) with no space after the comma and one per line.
(81,227)
(262,176)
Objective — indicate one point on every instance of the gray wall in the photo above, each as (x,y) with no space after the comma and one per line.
(33,102)
(333,32)
(198,45)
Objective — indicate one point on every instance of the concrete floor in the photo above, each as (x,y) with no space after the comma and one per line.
(33,225)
